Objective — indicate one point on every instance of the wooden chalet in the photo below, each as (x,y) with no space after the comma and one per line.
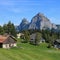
(7,41)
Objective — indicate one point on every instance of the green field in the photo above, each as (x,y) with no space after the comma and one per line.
(29,52)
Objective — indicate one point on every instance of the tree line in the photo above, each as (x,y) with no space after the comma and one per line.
(8,28)
(49,35)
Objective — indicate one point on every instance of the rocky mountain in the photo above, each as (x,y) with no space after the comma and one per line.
(23,25)
(39,21)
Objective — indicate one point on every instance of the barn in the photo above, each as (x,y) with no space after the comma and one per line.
(7,41)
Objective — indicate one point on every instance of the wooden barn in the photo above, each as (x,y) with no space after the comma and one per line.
(7,41)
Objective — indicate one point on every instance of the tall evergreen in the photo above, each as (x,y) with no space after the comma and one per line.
(26,35)
(1,30)
(10,28)
(38,38)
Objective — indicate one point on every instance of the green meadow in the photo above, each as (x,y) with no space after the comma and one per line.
(25,51)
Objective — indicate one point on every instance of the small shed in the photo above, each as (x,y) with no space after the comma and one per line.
(7,41)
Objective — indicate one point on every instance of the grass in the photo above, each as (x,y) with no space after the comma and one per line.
(29,52)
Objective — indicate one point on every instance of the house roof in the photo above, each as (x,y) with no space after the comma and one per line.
(33,36)
(58,40)
(3,38)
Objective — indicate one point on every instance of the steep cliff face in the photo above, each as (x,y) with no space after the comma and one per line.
(24,24)
(39,21)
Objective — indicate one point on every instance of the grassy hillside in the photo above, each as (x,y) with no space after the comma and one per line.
(29,52)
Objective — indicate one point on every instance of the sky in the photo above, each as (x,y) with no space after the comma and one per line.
(16,10)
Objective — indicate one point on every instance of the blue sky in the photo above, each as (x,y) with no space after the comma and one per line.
(16,10)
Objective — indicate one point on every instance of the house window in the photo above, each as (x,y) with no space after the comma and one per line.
(31,39)
(0,45)
(7,45)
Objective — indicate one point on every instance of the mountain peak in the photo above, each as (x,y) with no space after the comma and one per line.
(24,24)
(40,14)
(39,21)
(39,17)
(24,20)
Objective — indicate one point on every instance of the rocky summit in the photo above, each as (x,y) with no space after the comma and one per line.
(39,21)
(23,25)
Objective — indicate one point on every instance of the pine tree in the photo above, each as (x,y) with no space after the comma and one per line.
(38,38)
(10,28)
(1,30)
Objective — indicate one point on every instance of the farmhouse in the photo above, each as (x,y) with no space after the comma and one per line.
(33,37)
(7,41)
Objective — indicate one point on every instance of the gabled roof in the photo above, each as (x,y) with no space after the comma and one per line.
(33,36)
(3,38)
(58,40)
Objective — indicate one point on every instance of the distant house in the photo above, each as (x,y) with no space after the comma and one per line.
(33,37)
(19,35)
(57,43)
(7,41)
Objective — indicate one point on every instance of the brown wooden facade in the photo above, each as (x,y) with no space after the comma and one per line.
(7,41)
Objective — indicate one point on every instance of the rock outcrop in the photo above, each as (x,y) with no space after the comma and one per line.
(23,25)
(39,21)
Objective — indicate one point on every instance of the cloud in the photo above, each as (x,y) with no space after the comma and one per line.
(15,10)
(6,3)
(20,10)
